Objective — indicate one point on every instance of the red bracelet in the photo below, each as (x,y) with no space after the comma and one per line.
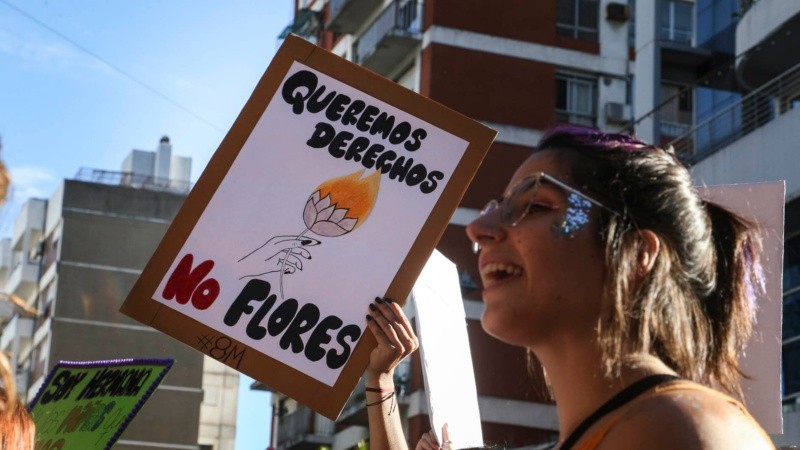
(379,390)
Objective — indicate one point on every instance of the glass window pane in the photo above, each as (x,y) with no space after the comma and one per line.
(791,368)
(791,263)
(565,12)
(791,315)
(587,14)
(561,94)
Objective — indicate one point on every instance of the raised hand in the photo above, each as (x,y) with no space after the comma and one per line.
(396,340)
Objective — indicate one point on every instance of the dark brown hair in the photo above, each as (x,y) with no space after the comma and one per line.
(695,308)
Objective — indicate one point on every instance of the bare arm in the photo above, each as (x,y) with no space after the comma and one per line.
(396,340)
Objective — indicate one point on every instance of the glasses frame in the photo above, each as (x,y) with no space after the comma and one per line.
(500,203)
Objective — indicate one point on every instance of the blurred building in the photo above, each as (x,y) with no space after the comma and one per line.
(718,79)
(72,259)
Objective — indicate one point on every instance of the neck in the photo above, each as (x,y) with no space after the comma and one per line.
(579,385)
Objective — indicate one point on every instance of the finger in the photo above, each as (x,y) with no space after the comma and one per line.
(394,315)
(386,327)
(296,241)
(377,331)
(413,342)
(427,442)
(446,434)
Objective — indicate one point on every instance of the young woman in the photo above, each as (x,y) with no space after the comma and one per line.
(636,295)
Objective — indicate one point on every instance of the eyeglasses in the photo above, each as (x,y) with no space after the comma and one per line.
(516,206)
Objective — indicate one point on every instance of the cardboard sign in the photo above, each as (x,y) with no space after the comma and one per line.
(444,350)
(763,203)
(87,405)
(331,188)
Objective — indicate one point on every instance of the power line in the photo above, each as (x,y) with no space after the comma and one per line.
(113,67)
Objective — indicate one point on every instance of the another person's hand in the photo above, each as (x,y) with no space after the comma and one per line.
(428,441)
(396,340)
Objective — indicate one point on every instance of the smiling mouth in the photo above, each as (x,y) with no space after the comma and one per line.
(493,273)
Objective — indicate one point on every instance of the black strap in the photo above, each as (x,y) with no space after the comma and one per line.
(624,396)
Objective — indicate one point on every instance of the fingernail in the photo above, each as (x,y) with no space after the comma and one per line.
(372,307)
(369,317)
(388,300)
(379,300)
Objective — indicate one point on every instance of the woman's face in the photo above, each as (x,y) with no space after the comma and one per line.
(540,284)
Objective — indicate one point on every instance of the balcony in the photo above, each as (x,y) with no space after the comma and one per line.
(768,35)
(761,106)
(303,429)
(23,276)
(391,38)
(17,333)
(347,16)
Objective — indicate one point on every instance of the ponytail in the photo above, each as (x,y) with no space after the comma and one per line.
(731,307)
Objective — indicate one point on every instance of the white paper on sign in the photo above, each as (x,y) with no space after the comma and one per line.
(764,203)
(445,354)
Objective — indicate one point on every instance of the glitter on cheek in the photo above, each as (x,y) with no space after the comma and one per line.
(576,217)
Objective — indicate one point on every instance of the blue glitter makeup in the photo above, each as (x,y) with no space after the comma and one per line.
(577,216)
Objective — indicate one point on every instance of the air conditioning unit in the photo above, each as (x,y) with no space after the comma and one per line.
(618,112)
(618,12)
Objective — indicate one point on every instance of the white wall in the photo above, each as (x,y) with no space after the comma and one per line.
(769,153)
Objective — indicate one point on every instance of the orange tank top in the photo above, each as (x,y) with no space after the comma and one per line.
(592,440)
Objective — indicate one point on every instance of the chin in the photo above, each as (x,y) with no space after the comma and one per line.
(497,328)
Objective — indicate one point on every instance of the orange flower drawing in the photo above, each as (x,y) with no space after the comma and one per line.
(341,205)
(335,208)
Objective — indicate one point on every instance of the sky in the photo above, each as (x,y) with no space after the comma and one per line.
(84,82)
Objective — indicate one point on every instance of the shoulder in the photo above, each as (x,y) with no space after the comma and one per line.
(687,418)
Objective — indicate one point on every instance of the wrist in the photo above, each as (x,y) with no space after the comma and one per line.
(381,380)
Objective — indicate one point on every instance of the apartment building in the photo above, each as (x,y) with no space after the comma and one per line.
(73,258)
(715,78)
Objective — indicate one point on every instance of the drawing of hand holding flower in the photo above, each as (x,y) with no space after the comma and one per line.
(335,208)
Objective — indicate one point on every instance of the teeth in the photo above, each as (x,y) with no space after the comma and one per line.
(493,269)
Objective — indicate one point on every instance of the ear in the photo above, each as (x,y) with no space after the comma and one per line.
(648,251)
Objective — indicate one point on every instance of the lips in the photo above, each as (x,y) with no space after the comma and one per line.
(493,273)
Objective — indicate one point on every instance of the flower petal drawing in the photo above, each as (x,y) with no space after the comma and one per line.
(330,229)
(340,205)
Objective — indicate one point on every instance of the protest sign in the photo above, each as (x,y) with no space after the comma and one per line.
(764,204)
(87,405)
(331,188)
(445,354)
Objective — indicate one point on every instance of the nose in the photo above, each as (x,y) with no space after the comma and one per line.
(485,230)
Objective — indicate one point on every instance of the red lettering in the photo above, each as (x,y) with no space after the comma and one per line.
(186,284)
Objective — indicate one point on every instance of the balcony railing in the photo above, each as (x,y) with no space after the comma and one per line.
(347,16)
(135,180)
(391,36)
(739,119)
(304,426)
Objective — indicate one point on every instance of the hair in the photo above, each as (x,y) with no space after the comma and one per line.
(695,308)
(17,428)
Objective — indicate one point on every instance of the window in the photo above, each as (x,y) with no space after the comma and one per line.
(577,19)
(676,111)
(676,21)
(576,100)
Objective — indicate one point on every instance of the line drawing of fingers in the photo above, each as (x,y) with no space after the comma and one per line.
(299,251)
(291,261)
(285,241)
